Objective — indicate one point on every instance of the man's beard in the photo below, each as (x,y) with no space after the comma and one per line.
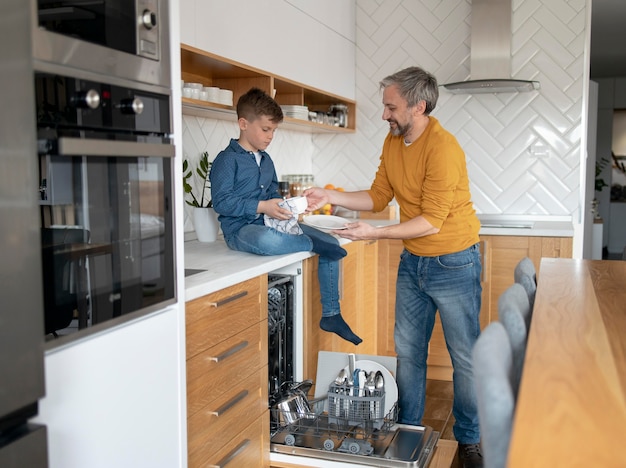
(401,130)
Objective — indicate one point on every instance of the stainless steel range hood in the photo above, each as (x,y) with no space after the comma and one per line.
(490,53)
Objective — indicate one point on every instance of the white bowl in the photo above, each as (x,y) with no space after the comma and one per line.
(297,205)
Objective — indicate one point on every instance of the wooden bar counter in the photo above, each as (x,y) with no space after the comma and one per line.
(571,409)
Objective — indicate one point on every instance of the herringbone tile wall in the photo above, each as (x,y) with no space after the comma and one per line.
(496,130)
(499,132)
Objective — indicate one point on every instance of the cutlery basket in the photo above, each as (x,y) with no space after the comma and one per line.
(347,407)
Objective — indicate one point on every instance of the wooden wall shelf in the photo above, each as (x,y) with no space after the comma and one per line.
(199,66)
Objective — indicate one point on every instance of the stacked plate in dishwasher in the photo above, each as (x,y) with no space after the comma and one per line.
(296,112)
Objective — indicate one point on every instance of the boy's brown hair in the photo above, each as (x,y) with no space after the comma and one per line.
(256,103)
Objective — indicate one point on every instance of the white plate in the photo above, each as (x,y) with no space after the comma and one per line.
(326,222)
(391,387)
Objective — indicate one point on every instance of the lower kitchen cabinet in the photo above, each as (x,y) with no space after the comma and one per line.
(500,255)
(358,299)
(227,415)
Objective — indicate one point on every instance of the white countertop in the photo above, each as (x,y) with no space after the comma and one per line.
(535,226)
(225,267)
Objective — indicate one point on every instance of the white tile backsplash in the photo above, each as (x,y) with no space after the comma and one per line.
(495,131)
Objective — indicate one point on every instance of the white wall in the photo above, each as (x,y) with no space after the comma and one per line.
(550,44)
(496,131)
(311,42)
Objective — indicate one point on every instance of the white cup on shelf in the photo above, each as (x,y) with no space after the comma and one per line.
(213,93)
(226,97)
(187,92)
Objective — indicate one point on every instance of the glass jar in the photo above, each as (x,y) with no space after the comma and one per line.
(308,181)
(298,183)
(340,113)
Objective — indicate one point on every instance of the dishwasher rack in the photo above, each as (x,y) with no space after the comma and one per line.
(341,420)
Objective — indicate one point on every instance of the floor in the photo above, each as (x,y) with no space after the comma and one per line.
(438,411)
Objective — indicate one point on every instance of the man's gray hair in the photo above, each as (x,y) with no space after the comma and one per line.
(415,85)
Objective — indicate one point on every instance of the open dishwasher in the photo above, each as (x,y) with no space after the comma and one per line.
(354,422)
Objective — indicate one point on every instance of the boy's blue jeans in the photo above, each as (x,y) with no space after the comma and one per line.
(450,284)
(263,240)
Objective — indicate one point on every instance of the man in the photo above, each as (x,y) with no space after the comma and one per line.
(423,167)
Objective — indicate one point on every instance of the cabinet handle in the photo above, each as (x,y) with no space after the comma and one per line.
(483,260)
(229,352)
(240,396)
(234,297)
(228,458)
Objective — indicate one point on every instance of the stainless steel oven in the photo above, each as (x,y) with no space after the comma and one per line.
(105,165)
(120,38)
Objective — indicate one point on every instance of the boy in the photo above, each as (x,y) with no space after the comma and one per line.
(244,188)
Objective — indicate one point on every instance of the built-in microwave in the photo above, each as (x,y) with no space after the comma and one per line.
(121,38)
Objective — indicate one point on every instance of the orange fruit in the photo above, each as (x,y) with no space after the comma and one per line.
(329,187)
(340,189)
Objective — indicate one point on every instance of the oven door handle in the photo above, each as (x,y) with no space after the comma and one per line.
(93,147)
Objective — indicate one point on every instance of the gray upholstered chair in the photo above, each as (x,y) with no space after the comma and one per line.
(514,314)
(526,275)
(493,366)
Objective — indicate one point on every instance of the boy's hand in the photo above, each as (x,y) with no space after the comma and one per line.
(271,209)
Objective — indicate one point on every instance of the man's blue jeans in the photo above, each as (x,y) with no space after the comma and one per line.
(263,240)
(451,285)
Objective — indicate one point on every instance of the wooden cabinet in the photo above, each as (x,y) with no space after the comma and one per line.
(500,255)
(227,415)
(389,251)
(358,299)
(198,66)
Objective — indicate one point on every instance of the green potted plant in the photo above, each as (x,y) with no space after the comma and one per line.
(202,178)
(204,217)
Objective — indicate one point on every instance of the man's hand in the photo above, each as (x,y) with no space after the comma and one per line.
(357,231)
(317,198)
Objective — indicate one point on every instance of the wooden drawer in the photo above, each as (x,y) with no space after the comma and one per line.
(215,371)
(218,316)
(249,448)
(221,420)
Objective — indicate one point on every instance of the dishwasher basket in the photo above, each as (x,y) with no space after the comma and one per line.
(345,420)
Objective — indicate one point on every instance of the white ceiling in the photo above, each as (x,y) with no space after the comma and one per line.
(608,36)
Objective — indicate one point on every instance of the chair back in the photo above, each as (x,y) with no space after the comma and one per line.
(516,296)
(526,275)
(492,367)
(512,309)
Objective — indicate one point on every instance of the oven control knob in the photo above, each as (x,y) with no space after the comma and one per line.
(131,106)
(148,19)
(84,99)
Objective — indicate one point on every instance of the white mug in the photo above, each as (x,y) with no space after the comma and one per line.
(297,205)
